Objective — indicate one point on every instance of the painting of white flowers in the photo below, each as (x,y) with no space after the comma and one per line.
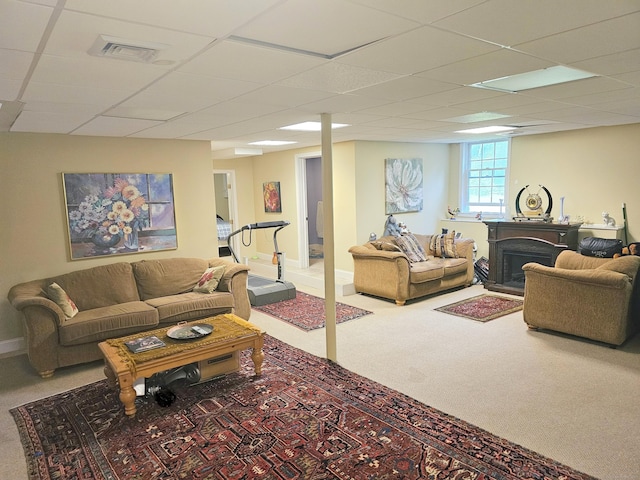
(119,213)
(403,185)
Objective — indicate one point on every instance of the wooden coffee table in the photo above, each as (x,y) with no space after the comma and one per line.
(230,333)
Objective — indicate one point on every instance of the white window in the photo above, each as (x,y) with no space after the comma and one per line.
(484,177)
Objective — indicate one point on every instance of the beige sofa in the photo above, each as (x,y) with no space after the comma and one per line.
(121,299)
(389,274)
(594,298)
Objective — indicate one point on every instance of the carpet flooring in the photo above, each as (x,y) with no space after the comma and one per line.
(305,418)
(307,311)
(483,307)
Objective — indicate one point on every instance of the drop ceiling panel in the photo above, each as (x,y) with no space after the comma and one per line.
(259,64)
(203,17)
(587,86)
(75,34)
(419,10)
(613,64)
(457,96)
(46,92)
(185,92)
(417,50)
(338,78)
(114,127)
(405,88)
(603,38)
(47,122)
(18,33)
(325,27)
(498,20)
(342,103)
(497,64)
(284,96)
(95,72)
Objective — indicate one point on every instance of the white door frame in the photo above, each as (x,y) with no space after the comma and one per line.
(233,207)
(303,213)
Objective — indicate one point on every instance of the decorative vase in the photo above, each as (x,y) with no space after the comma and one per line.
(105,241)
(131,240)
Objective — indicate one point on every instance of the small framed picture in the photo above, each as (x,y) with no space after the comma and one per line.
(271,195)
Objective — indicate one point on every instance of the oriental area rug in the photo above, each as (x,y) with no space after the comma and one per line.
(483,307)
(304,418)
(307,311)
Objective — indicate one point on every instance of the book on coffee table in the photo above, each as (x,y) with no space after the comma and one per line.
(143,344)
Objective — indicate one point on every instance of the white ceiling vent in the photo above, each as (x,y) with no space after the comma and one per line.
(123,49)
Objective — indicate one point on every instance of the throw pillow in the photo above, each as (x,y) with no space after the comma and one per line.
(411,247)
(386,246)
(443,245)
(209,280)
(56,293)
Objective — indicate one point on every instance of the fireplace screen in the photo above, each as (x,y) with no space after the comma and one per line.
(512,274)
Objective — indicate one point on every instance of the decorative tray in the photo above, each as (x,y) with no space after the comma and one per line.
(189,331)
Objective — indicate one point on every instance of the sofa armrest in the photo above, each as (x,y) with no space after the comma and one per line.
(362,251)
(42,318)
(234,281)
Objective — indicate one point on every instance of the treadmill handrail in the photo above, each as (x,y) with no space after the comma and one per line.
(278,224)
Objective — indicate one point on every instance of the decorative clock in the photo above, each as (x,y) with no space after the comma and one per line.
(534,205)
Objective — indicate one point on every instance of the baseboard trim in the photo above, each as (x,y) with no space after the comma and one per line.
(14,346)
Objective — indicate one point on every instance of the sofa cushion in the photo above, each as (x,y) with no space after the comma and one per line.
(209,280)
(443,245)
(421,272)
(56,293)
(171,276)
(411,247)
(191,306)
(99,324)
(455,266)
(100,286)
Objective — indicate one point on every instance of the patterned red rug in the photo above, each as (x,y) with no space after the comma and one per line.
(305,418)
(307,311)
(483,307)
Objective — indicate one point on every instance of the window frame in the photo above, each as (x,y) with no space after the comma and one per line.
(465,161)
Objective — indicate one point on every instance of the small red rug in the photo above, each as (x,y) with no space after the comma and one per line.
(305,418)
(483,307)
(307,311)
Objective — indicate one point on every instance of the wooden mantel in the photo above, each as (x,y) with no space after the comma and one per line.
(512,244)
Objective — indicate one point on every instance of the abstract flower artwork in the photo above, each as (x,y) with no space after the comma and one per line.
(403,185)
(109,213)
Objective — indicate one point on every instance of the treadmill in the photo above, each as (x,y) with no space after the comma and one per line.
(263,291)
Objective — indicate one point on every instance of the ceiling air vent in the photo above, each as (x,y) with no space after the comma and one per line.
(122,49)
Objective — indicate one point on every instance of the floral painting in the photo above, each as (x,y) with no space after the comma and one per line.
(403,185)
(119,213)
(271,194)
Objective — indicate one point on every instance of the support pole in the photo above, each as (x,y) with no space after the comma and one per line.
(329,247)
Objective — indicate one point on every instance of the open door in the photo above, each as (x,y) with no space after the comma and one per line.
(226,211)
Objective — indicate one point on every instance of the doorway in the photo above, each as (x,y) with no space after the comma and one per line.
(226,210)
(309,182)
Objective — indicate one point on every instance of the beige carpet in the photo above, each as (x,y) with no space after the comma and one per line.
(572,400)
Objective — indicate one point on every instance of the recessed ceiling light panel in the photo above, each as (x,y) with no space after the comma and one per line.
(311,126)
(271,143)
(491,129)
(535,79)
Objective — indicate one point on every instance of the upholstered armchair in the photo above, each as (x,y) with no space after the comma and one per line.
(594,298)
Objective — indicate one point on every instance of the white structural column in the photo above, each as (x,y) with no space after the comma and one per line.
(329,248)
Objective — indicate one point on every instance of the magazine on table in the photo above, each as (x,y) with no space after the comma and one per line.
(143,344)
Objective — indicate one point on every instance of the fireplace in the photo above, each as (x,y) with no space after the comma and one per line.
(512,244)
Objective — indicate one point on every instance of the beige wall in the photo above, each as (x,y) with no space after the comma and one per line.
(34,237)
(592,168)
